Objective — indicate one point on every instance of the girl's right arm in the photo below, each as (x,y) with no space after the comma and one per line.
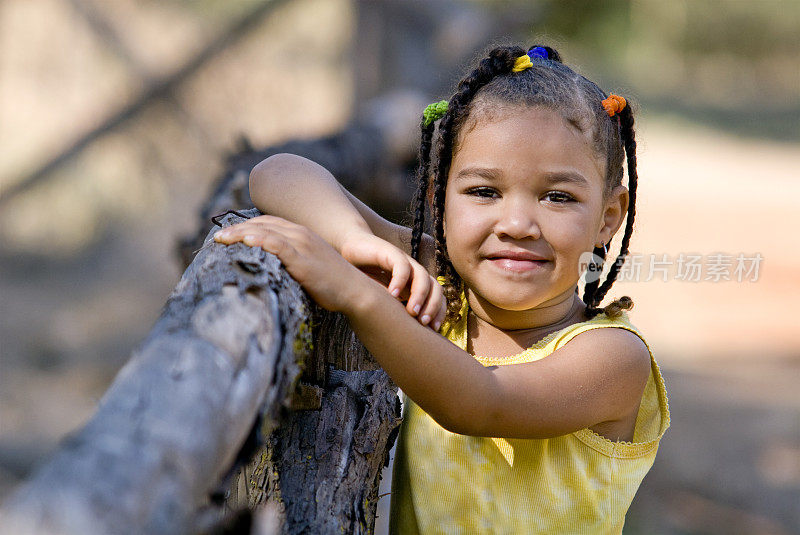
(299,190)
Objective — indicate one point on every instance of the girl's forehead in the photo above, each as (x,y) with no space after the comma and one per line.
(522,117)
(527,139)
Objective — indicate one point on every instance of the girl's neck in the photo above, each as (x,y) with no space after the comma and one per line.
(491,327)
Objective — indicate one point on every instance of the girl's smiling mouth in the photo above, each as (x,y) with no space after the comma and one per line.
(517,261)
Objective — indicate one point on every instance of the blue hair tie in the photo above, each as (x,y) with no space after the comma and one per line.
(538,52)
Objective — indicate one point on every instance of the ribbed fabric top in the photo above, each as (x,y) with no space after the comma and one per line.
(578,483)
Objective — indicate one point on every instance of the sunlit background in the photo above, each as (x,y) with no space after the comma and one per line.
(116,118)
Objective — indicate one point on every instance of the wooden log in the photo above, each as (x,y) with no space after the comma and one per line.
(220,369)
(322,467)
(168,430)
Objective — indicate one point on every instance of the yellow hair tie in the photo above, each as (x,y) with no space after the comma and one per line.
(614,104)
(522,63)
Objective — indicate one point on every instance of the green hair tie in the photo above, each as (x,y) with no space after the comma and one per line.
(434,112)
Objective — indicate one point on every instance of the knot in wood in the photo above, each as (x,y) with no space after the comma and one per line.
(330,434)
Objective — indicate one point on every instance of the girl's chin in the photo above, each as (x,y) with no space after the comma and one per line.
(516,297)
(513,301)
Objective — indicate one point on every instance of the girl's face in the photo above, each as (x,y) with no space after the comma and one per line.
(524,200)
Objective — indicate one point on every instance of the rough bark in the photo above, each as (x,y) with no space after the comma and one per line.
(169,428)
(220,369)
(322,467)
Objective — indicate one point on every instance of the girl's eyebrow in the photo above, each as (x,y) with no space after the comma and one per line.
(550,178)
(567,176)
(483,172)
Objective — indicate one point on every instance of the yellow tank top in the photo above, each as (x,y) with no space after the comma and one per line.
(578,483)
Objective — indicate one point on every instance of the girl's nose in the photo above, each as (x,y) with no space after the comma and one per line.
(516,220)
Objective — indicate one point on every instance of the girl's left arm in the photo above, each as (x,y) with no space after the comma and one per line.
(580,385)
(598,376)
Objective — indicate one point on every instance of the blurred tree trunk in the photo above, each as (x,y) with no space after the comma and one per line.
(373,157)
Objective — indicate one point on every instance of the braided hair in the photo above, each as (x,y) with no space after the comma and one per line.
(550,84)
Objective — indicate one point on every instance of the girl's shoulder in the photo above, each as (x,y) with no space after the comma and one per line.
(624,331)
(625,339)
(616,336)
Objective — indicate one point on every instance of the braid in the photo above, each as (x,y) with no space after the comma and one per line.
(591,287)
(422,187)
(629,140)
(453,283)
(500,61)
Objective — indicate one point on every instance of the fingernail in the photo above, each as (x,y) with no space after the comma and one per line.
(417,309)
(437,325)
(425,319)
(396,292)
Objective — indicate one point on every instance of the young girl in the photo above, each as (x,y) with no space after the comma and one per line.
(524,412)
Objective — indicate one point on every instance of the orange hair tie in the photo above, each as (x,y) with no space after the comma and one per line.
(614,104)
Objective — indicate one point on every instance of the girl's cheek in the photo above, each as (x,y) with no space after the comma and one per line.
(468,236)
(566,232)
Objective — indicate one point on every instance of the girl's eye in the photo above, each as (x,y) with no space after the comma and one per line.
(482,192)
(560,197)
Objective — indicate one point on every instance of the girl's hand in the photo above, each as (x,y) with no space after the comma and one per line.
(321,270)
(404,277)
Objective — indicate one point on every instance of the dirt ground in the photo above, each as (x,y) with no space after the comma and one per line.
(730,462)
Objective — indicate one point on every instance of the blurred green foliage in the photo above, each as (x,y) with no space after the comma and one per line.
(752,28)
(733,64)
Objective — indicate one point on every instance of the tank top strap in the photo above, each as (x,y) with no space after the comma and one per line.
(456,332)
(557,339)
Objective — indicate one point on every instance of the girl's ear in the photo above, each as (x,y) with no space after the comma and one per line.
(616,208)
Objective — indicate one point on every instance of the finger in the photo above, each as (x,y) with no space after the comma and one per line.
(377,274)
(237,228)
(436,324)
(276,243)
(232,233)
(432,306)
(392,261)
(401,271)
(236,233)
(300,237)
(420,287)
